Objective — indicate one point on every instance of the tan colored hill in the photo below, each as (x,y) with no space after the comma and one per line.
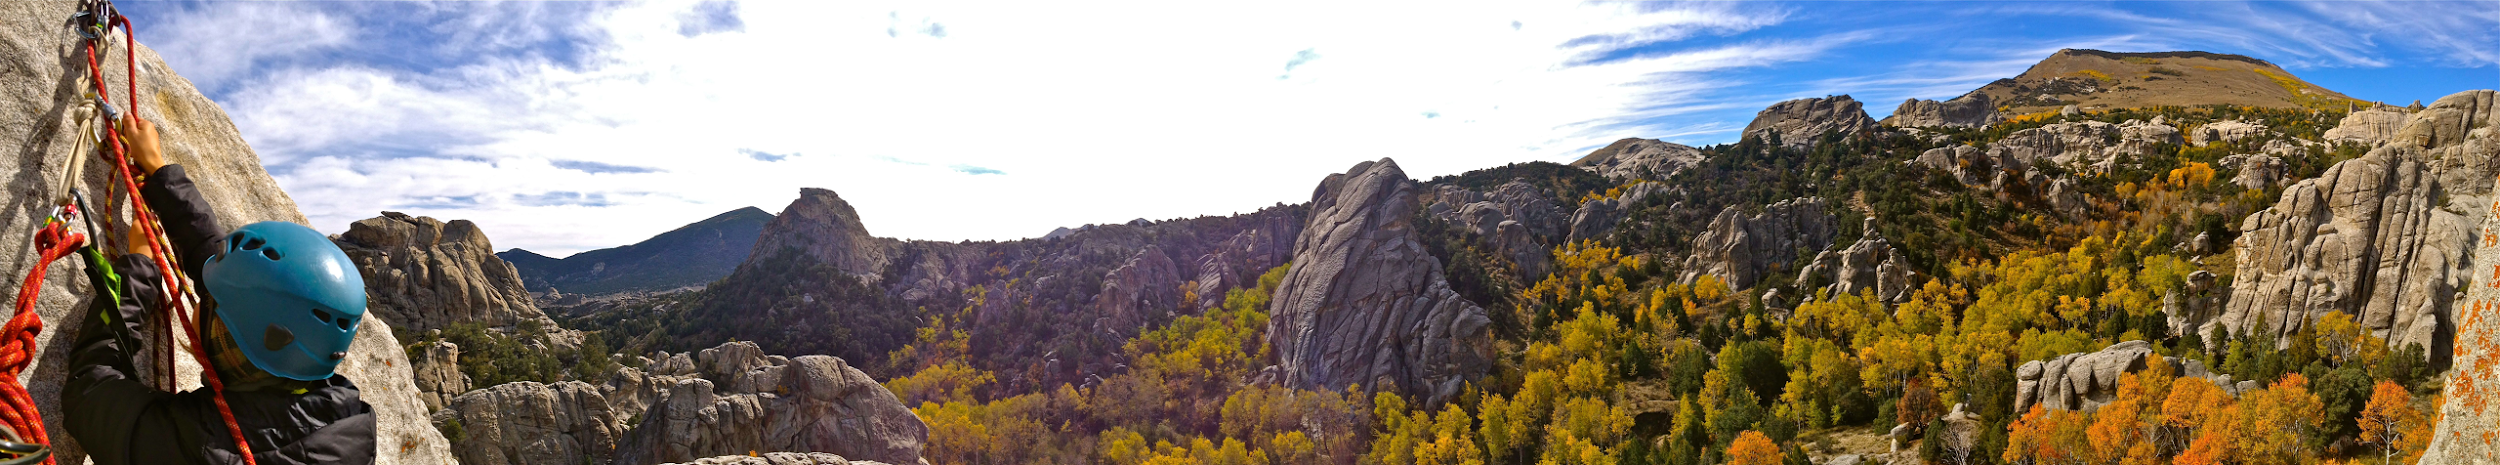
(2097,80)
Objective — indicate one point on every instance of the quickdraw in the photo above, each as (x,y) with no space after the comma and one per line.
(71,228)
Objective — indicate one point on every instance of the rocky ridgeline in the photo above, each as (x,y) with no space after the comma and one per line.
(2384,237)
(1973,110)
(1743,249)
(730,399)
(423,274)
(1364,303)
(1636,158)
(1799,122)
(39,93)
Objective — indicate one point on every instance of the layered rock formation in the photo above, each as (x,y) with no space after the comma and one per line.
(1870,264)
(1973,110)
(1743,249)
(2087,381)
(40,89)
(1799,122)
(1364,303)
(1636,158)
(725,400)
(423,274)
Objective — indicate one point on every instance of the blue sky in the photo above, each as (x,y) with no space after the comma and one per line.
(567,126)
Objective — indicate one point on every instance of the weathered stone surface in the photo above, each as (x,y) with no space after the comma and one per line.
(1741,250)
(751,402)
(1141,285)
(1364,303)
(1799,122)
(824,228)
(2082,145)
(1636,158)
(438,376)
(41,72)
(1871,264)
(2255,171)
(2086,381)
(1516,220)
(1967,164)
(1597,217)
(2223,131)
(2365,238)
(2372,126)
(528,422)
(2467,419)
(1973,110)
(424,274)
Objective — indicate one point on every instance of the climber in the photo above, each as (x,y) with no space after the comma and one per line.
(283,304)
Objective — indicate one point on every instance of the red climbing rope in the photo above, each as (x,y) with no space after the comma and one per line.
(178,295)
(17,337)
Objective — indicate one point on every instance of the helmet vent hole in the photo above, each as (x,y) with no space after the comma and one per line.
(344,322)
(252,243)
(271,253)
(321,315)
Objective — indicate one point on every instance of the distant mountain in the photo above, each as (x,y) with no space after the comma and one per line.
(693,255)
(2097,80)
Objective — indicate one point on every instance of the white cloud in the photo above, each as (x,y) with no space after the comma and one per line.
(1015,119)
(221,41)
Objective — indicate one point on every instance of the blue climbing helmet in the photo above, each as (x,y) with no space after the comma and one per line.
(289,298)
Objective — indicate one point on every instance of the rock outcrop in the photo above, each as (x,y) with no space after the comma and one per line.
(1637,158)
(2083,145)
(422,274)
(748,402)
(1973,110)
(2087,381)
(1364,303)
(1799,122)
(438,376)
(1516,220)
(1597,217)
(1744,249)
(780,458)
(2467,421)
(1138,286)
(2255,171)
(40,90)
(2225,131)
(731,399)
(1870,264)
(2371,126)
(824,228)
(1967,164)
(2365,238)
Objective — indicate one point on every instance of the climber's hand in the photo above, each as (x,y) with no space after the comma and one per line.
(139,136)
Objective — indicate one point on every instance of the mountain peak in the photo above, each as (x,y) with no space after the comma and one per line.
(2097,80)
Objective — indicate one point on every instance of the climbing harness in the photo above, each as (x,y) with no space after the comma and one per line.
(70,228)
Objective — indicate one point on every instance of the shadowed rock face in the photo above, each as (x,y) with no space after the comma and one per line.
(422,274)
(40,72)
(824,228)
(1798,122)
(1364,303)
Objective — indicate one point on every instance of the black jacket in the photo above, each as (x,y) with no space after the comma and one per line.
(121,420)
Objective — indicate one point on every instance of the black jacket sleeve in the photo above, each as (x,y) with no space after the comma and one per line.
(190,223)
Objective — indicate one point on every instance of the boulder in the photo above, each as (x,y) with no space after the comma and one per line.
(1972,110)
(438,377)
(528,422)
(810,403)
(2225,131)
(423,274)
(2255,171)
(1871,264)
(41,81)
(1967,164)
(2372,126)
(1364,303)
(1743,249)
(1636,158)
(1799,122)
(1597,217)
(2086,381)
(779,458)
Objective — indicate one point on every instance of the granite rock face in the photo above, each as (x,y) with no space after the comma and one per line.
(438,376)
(749,402)
(779,458)
(824,228)
(424,274)
(1365,303)
(1967,164)
(1744,249)
(2365,239)
(2466,419)
(2255,171)
(2086,381)
(528,422)
(1871,265)
(2225,131)
(1637,158)
(1799,122)
(1973,110)
(2371,126)
(1597,217)
(1140,285)
(1516,220)
(41,82)
(2083,145)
